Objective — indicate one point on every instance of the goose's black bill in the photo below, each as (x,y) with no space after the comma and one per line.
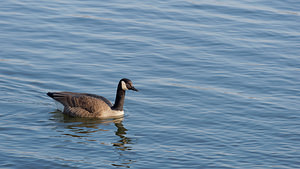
(134,89)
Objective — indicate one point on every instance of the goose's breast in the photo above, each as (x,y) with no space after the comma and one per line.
(111,114)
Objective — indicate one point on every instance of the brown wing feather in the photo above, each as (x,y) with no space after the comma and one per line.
(77,112)
(78,102)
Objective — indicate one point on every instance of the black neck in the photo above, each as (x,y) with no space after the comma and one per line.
(120,97)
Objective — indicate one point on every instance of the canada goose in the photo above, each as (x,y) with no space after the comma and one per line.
(91,105)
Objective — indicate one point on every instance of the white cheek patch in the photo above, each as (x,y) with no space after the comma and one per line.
(124,87)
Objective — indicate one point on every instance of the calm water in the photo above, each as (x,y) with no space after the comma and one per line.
(219,83)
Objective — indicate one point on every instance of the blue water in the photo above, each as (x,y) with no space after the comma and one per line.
(219,83)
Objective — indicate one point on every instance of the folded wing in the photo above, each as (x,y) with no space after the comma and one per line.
(81,104)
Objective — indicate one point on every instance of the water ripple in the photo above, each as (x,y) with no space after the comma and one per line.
(219,84)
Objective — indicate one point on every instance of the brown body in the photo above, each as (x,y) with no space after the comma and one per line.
(90,105)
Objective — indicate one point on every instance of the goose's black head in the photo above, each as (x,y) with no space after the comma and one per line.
(126,84)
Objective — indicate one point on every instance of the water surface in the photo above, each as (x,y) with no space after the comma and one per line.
(219,83)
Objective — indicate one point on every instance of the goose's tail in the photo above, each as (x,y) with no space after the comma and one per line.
(58,96)
(50,94)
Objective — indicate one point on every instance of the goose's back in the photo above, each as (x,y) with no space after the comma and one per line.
(82,104)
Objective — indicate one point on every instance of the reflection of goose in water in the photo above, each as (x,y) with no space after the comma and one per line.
(84,127)
(96,133)
(121,132)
